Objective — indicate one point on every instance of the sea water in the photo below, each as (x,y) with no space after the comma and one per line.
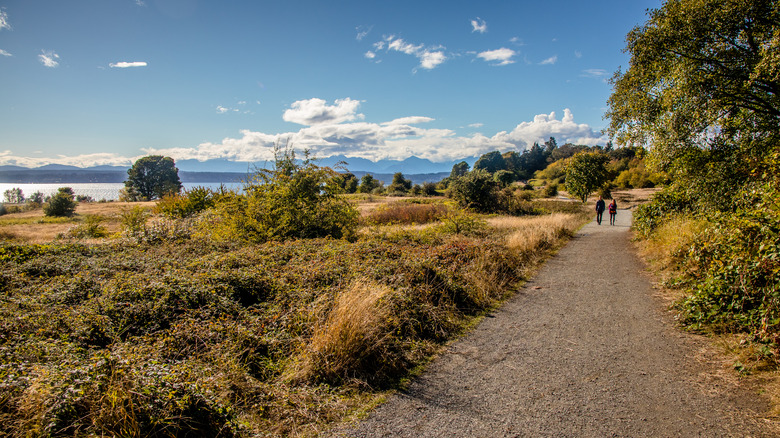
(97,191)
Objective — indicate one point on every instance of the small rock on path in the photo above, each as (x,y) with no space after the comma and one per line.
(584,349)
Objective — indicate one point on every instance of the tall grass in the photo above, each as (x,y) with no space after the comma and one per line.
(536,233)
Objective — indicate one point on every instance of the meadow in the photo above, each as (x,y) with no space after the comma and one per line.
(178,334)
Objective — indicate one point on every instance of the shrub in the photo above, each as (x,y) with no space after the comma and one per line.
(134,221)
(192,202)
(476,190)
(92,227)
(61,204)
(291,201)
(429,189)
(664,203)
(550,190)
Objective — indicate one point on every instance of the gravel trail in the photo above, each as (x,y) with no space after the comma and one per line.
(584,349)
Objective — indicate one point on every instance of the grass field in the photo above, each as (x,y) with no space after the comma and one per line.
(199,338)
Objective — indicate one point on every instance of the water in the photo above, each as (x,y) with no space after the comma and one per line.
(98,191)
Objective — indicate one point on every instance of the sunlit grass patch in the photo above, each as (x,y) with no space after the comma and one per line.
(528,234)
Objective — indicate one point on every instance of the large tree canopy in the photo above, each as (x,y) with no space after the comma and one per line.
(152,177)
(702,87)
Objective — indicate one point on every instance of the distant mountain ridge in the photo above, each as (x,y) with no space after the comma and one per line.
(214,171)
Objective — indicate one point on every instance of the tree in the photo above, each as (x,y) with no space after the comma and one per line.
(491,162)
(14,195)
(585,173)
(703,89)
(61,204)
(368,184)
(399,184)
(459,169)
(152,177)
(504,177)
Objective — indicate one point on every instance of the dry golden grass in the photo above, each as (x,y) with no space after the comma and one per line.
(531,233)
(33,227)
(353,327)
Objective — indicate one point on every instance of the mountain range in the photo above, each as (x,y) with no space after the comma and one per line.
(417,169)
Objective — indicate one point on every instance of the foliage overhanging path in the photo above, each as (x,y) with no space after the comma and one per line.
(584,349)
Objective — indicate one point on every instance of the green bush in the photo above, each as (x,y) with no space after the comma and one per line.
(291,201)
(190,203)
(664,203)
(476,190)
(61,204)
(92,227)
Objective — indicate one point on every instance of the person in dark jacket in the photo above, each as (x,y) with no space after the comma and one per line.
(599,209)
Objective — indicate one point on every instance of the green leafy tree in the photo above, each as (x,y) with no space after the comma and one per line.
(491,162)
(61,204)
(400,184)
(703,88)
(585,173)
(459,169)
(477,190)
(152,177)
(368,184)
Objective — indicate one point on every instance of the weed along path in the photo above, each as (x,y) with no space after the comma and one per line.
(584,349)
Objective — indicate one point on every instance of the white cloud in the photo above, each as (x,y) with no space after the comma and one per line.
(370,55)
(4,53)
(49,59)
(86,160)
(413,120)
(502,56)
(396,139)
(597,73)
(545,126)
(478,25)
(577,54)
(516,41)
(140,2)
(317,111)
(362,32)
(222,110)
(4,24)
(430,57)
(476,125)
(124,64)
(549,61)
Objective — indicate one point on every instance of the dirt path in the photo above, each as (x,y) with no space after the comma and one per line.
(584,349)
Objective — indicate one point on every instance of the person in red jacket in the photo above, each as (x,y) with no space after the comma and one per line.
(612,212)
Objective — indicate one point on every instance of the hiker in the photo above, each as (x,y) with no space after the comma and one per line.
(612,212)
(599,209)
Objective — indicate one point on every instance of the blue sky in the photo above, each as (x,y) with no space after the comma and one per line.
(91,82)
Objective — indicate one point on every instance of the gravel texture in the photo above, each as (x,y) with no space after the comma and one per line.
(585,349)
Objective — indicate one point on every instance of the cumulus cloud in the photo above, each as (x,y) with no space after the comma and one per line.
(4,53)
(317,111)
(341,134)
(430,57)
(502,56)
(370,55)
(4,24)
(49,59)
(396,139)
(478,25)
(124,64)
(549,61)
